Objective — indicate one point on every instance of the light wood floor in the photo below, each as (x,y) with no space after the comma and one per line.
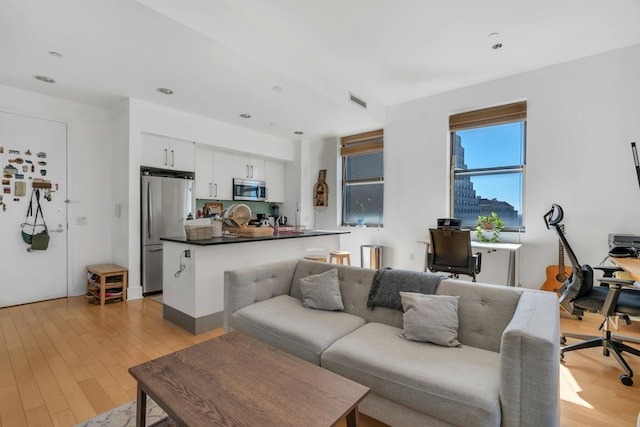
(64,361)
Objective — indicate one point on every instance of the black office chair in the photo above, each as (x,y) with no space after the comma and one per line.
(451,253)
(609,299)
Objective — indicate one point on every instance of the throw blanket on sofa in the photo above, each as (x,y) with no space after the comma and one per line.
(387,285)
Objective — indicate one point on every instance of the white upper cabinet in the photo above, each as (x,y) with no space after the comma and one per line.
(204,173)
(248,167)
(274,177)
(214,174)
(223,175)
(167,153)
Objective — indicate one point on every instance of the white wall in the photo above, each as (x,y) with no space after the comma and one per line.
(89,176)
(582,116)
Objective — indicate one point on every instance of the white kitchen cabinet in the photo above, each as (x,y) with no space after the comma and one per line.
(223,175)
(204,173)
(214,174)
(248,167)
(167,153)
(274,177)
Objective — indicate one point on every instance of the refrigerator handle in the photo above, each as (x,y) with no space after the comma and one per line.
(149,211)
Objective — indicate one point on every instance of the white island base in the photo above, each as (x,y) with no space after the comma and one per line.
(194,298)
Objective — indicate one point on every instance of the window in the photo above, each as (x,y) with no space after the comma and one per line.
(362,178)
(488,164)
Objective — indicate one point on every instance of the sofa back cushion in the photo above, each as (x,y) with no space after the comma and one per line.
(355,283)
(484,311)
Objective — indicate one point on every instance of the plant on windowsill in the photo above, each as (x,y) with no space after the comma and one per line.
(360,221)
(488,228)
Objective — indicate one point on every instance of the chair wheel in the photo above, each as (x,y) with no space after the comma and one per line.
(626,380)
(563,340)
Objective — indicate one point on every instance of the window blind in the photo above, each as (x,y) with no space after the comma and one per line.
(362,143)
(489,116)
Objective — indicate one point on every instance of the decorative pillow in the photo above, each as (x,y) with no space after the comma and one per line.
(430,318)
(322,291)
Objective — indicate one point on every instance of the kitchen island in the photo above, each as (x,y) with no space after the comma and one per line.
(193,270)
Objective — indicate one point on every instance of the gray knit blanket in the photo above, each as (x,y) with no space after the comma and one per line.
(387,285)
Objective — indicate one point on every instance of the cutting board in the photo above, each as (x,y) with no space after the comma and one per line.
(251,231)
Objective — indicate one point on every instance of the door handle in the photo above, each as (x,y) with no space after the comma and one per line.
(149,211)
(166,156)
(211,189)
(173,158)
(216,195)
(251,171)
(60,229)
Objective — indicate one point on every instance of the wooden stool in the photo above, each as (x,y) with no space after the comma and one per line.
(316,258)
(340,257)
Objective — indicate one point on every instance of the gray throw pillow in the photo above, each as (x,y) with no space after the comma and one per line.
(322,291)
(430,318)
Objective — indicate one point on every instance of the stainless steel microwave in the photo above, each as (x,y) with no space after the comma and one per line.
(249,189)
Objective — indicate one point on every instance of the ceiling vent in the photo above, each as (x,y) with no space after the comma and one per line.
(361,102)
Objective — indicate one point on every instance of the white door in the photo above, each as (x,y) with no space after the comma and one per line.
(30,149)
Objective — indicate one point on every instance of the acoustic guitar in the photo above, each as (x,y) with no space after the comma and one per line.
(557,274)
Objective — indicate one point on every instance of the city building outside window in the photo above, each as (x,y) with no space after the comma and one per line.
(363,179)
(488,164)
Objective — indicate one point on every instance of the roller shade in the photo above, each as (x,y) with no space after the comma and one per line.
(362,143)
(489,116)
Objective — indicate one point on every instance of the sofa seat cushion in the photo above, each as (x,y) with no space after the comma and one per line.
(459,385)
(285,324)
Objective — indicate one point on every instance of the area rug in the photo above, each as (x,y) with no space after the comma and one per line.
(125,416)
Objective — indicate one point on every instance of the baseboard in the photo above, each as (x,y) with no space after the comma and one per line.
(194,325)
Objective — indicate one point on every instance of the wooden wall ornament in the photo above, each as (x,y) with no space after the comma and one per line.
(321,191)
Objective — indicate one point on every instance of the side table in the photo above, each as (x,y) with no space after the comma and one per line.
(111,277)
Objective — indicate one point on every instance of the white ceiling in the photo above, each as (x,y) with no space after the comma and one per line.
(223,57)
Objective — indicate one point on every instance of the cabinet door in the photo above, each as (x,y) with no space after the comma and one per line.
(223,174)
(182,155)
(154,150)
(204,173)
(256,169)
(274,176)
(241,166)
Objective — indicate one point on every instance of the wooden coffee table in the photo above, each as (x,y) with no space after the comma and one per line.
(235,380)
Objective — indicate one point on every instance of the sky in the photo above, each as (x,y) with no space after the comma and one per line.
(495,146)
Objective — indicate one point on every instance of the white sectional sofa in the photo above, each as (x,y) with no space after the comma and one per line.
(504,373)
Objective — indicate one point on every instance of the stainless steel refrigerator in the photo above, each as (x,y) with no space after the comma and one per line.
(166,203)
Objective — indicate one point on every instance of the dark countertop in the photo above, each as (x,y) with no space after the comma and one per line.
(232,239)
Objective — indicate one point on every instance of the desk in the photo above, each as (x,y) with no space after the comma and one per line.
(513,248)
(630,265)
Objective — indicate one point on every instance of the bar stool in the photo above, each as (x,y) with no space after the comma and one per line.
(316,258)
(339,257)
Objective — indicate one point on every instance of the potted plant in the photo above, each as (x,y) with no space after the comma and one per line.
(362,211)
(488,228)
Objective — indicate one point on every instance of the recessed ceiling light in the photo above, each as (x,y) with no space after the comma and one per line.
(299,132)
(56,54)
(245,116)
(165,91)
(44,79)
(278,88)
